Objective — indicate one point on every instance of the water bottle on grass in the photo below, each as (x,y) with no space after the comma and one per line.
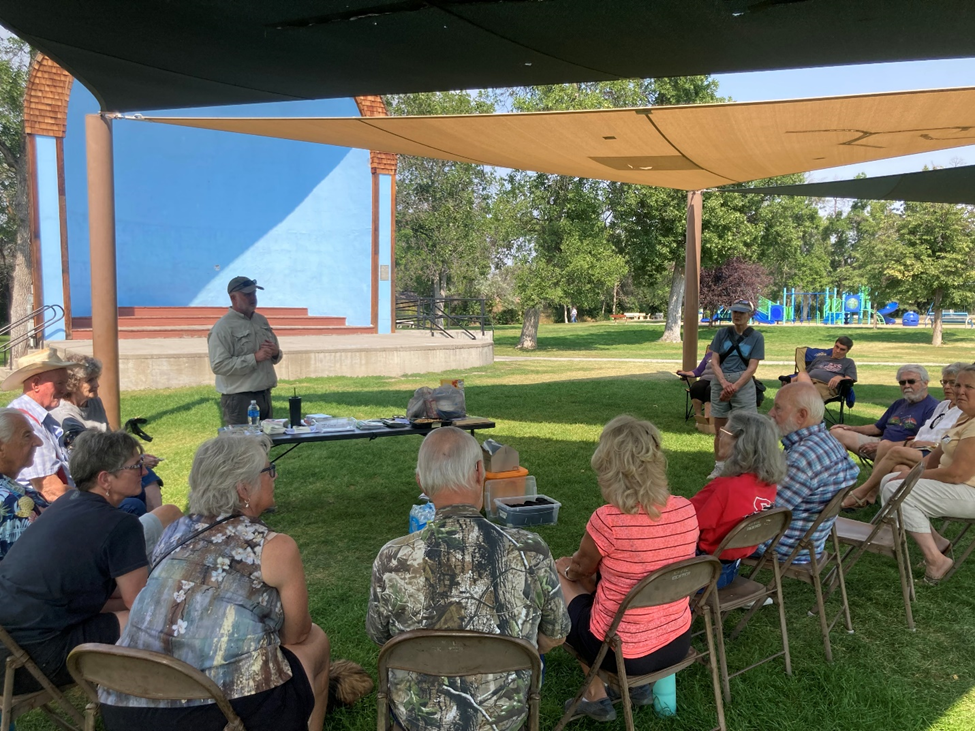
(665,696)
(253,414)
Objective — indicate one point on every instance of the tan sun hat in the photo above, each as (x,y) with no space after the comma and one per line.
(31,364)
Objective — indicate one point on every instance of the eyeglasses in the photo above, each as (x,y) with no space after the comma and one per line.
(908,382)
(271,470)
(137,466)
(947,383)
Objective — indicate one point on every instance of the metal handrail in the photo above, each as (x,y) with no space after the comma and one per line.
(433,314)
(35,333)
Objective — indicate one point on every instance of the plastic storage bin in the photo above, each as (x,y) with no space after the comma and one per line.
(519,487)
(519,516)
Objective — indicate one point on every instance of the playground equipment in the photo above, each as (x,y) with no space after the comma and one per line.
(831,307)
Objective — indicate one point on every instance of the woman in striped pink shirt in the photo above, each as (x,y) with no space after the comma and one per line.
(640,529)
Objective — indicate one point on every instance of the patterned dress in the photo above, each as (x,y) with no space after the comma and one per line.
(207,605)
(19,506)
(464,572)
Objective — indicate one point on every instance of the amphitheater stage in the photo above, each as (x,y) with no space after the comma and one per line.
(178,362)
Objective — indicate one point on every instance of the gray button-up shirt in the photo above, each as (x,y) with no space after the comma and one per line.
(232,342)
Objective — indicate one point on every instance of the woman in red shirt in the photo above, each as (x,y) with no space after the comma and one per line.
(753,466)
(640,529)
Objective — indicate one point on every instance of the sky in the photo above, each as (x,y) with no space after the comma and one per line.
(864,79)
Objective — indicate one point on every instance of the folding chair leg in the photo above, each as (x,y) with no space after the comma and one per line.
(709,628)
(841,579)
(954,544)
(593,671)
(624,686)
(820,606)
(782,624)
(907,579)
(722,658)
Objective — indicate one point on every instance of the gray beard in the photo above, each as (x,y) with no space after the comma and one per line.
(788,427)
(914,397)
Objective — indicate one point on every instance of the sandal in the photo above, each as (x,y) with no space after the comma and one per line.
(858,503)
(935,580)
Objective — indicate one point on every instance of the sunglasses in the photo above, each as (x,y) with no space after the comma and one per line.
(907,382)
(271,470)
(137,466)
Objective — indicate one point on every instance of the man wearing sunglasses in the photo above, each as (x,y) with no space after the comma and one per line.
(900,422)
(243,352)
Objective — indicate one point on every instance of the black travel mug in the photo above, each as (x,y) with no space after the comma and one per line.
(294,409)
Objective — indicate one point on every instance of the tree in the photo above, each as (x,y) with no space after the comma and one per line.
(15,260)
(736,279)
(923,255)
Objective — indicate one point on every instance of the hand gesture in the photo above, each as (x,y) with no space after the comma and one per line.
(273,347)
(264,353)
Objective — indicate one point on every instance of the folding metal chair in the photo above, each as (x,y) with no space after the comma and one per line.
(812,572)
(15,706)
(884,535)
(688,404)
(454,653)
(956,542)
(769,525)
(143,674)
(680,580)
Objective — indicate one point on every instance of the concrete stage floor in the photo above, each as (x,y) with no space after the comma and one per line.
(179,362)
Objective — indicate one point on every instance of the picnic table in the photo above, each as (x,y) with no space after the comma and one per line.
(293,441)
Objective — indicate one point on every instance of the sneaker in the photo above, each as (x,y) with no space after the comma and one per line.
(768,602)
(642,695)
(601,710)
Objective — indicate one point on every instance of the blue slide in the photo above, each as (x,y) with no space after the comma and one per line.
(762,318)
(890,307)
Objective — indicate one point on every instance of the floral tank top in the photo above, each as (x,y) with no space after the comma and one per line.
(206,604)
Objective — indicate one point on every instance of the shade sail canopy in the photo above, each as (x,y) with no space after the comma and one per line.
(156,54)
(948,185)
(685,147)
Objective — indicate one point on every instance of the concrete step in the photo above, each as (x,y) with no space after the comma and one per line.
(204,311)
(200,331)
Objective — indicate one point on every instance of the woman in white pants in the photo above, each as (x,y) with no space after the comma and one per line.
(947,485)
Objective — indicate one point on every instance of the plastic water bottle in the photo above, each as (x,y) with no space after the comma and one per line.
(420,515)
(665,696)
(253,414)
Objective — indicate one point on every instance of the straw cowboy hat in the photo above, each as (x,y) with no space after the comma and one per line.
(31,364)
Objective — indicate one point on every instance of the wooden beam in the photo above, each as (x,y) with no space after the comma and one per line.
(692,279)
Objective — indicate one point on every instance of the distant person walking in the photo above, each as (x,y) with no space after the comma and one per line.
(572,315)
(737,351)
(243,353)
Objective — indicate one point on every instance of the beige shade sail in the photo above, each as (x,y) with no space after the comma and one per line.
(685,147)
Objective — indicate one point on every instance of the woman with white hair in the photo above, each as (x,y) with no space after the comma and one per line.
(891,457)
(220,572)
(753,467)
(641,528)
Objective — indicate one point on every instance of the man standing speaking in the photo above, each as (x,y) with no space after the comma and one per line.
(243,353)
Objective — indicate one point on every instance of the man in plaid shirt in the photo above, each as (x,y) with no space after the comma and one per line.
(818,466)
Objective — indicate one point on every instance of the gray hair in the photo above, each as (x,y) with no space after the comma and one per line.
(220,465)
(86,369)
(913,368)
(446,462)
(953,369)
(94,452)
(8,424)
(756,449)
(805,396)
(969,369)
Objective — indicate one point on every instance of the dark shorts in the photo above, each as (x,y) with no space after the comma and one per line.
(284,708)
(233,406)
(583,641)
(701,390)
(51,655)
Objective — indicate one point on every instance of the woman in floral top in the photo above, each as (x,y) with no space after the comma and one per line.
(19,505)
(227,595)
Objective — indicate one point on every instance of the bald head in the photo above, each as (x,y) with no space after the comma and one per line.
(797,406)
(449,467)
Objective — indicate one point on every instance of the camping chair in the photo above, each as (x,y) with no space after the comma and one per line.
(683,579)
(15,706)
(956,541)
(812,572)
(688,404)
(884,535)
(143,674)
(768,525)
(452,653)
(844,397)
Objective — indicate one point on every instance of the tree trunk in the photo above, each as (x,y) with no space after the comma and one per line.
(21,294)
(936,331)
(565,314)
(672,329)
(529,329)
(616,289)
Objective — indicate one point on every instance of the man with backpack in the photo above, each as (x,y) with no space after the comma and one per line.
(737,350)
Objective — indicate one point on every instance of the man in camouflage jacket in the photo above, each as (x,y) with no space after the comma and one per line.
(463,572)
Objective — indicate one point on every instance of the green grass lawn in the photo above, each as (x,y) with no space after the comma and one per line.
(342,501)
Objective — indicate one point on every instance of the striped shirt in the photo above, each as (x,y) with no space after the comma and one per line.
(631,547)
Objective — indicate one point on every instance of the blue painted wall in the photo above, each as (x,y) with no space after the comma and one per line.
(196,208)
(50,229)
(385,252)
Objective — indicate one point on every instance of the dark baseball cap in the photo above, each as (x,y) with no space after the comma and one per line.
(242,284)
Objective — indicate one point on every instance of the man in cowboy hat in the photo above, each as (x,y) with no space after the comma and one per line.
(243,353)
(42,376)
